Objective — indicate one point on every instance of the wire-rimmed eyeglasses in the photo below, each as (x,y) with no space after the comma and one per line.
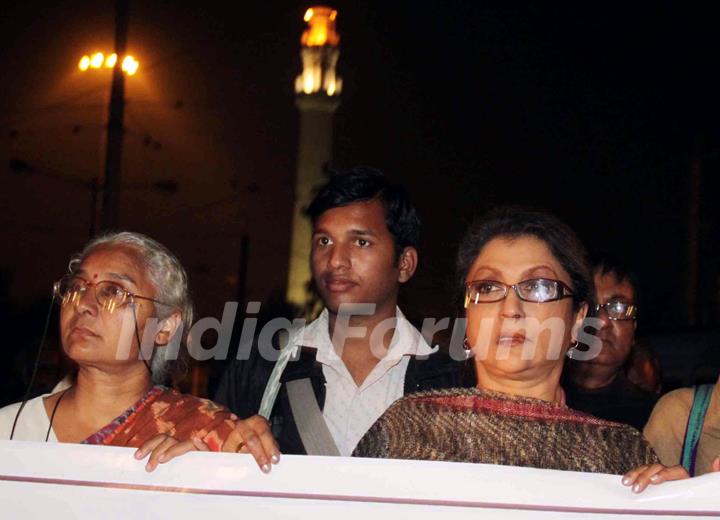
(109,295)
(536,290)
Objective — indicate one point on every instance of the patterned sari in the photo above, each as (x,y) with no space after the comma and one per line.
(163,410)
(471,425)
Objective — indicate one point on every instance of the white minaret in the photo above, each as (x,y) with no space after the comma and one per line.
(317,91)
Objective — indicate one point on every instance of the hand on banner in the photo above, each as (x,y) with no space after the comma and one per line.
(642,476)
(163,448)
(253,435)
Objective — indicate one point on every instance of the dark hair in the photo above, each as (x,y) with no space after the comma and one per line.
(515,222)
(362,184)
(604,263)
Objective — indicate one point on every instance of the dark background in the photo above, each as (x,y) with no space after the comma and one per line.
(597,111)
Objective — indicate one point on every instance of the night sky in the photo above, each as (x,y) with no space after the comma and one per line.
(595,111)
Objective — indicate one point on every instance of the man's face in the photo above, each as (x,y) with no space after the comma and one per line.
(353,258)
(617,336)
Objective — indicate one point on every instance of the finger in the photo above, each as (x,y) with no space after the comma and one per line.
(233,442)
(264,433)
(199,444)
(643,480)
(668,474)
(268,441)
(157,455)
(245,433)
(181,448)
(150,445)
(715,466)
(631,476)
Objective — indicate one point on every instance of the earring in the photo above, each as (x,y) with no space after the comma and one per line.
(468,349)
(572,349)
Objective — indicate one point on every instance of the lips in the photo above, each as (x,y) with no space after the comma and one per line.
(338,284)
(83,332)
(511,339)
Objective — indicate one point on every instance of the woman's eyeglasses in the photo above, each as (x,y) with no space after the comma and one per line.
(618,310)
(537,290)
(109,295)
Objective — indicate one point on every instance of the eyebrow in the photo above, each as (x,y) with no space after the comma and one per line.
(525,273)
(114,276)
(352,232)
(623,297)
(356,232)
(529,272)
(124,277)
(488,268)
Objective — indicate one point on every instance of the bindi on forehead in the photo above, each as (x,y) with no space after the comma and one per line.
(95,276)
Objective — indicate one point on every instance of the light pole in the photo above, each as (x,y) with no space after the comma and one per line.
(129,66)
(116,111)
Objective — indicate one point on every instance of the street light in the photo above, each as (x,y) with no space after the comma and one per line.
(98,60)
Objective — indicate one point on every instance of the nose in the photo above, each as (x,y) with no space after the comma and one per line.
(512,305)
(338,257)
(604,318)
(85,301)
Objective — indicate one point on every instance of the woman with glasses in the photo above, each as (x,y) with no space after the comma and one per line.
(526,289)
(125,311)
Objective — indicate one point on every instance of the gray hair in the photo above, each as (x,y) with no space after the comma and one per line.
(170,281)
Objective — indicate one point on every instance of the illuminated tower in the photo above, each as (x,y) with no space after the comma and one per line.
(317,91)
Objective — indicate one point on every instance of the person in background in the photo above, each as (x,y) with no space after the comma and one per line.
(684,428)
(643,368)
(599,386)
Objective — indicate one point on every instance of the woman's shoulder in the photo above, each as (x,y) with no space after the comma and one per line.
(447,397)
(420,404)
(32,422)
(498,403)
(677,400)
(9,411)
(454,402)
(30,405)
(669,415)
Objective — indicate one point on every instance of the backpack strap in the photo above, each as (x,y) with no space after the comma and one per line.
(696,419)
(287,351)
(311,425)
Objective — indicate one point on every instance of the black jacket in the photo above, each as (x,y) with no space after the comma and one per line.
(620,401)
(243,383)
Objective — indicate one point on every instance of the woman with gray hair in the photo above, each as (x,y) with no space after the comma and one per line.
(125,311)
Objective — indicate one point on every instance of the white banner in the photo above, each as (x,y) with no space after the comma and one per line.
(59,481)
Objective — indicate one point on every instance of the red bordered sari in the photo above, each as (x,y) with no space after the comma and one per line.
(163,410)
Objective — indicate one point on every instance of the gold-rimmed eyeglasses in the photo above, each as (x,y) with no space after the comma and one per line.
(109,295)
(618,310)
